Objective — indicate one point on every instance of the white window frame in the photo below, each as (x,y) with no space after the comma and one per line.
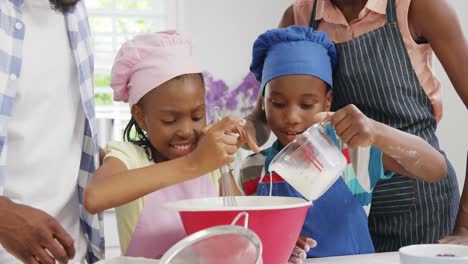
(117,113)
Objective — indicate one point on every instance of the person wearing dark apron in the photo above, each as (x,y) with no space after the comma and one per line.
(374,72)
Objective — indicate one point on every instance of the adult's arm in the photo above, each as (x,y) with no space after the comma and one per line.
(445,35)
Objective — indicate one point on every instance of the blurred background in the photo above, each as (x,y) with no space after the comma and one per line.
(223,33)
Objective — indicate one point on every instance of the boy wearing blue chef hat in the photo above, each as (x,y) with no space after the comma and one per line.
(295,67)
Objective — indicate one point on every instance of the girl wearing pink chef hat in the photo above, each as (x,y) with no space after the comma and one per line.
(168,150)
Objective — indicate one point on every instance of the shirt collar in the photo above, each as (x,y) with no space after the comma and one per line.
(327,11)
(378,6)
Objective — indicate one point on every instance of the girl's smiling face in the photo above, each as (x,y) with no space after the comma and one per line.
(173,116)
(291,101)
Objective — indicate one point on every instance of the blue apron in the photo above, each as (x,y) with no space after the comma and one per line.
(336,220)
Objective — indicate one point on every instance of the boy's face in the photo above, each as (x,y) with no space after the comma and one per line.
(291,101)
(173,116)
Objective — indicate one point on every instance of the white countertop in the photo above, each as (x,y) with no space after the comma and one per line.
(379,258)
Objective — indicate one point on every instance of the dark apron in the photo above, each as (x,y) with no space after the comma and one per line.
(336,220)
(374,72)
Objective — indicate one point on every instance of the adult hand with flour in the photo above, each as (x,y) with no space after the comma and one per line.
(459,237)
(403,153)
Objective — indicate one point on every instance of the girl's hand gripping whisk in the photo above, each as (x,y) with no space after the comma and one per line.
(228,187)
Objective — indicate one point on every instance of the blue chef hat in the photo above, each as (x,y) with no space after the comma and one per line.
(293,50)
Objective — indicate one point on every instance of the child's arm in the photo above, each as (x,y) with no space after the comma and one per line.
(403,153)
(113,184)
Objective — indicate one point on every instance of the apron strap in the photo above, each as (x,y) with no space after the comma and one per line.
(391,11)
(312,22)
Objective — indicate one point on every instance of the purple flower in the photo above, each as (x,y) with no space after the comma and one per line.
(238,101)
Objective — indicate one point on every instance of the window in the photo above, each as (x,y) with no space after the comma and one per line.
(112,23)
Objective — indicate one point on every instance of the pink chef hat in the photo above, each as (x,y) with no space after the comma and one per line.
(148,61)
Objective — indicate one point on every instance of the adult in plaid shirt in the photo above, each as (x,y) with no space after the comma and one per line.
(48,144)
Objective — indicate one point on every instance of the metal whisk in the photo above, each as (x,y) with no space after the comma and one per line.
(227,190)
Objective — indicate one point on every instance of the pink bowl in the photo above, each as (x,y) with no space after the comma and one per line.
(276,220)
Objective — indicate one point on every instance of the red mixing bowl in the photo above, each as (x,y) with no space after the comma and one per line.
(276,220)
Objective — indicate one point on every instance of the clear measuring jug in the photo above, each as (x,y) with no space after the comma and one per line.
(311,163)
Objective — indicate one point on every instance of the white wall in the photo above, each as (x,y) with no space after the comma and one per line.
(223,32)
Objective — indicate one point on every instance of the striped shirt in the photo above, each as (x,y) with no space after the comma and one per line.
(12,32)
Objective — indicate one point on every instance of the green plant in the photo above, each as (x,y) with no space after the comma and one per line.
(103,98)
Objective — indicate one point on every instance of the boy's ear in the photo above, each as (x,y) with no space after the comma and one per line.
(328,100)
(138,115)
